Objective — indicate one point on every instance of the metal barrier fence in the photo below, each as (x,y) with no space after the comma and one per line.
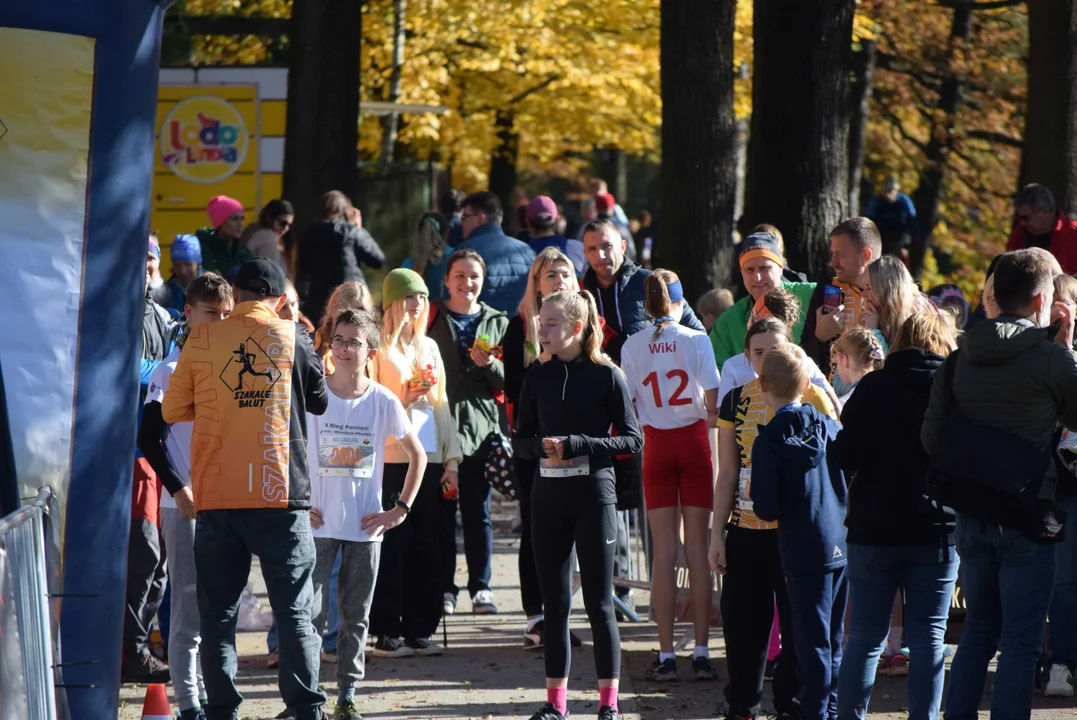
(26,637)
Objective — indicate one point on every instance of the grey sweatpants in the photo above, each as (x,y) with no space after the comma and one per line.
(183,633)
(355,592)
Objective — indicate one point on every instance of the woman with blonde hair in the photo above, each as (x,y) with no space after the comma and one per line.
(408,596)
(899,540)
(551,272)
(892,296)
(567,406)
(429,252)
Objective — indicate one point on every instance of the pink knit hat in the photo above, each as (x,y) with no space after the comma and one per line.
(222,207)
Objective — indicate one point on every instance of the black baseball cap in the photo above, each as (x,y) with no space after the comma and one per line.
(262,276)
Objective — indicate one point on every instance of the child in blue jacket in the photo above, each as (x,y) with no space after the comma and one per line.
(795,482)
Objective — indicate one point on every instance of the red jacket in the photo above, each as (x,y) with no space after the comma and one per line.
(1063,242)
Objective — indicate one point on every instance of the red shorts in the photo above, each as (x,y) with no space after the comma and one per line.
(677,465)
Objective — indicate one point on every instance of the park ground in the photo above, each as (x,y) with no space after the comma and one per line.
(486,675)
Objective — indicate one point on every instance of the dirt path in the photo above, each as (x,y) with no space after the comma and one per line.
(486,675)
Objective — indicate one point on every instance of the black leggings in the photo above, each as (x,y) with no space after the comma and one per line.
(593,529)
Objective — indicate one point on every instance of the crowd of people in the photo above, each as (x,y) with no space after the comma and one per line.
(871,439)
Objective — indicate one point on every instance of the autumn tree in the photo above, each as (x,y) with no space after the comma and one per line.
(698,141)
(798,152)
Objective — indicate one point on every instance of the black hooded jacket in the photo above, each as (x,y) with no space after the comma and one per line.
(884,460)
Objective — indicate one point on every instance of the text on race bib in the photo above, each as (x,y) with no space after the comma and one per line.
(346,455)
(565,467)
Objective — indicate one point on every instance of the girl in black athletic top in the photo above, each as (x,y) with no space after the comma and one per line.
(567,406)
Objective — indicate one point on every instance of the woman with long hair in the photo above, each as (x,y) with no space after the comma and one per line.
(408,597)
(674,382)
(467,331)
(892,297)
(333,250)
(429,252)
(899,538)
(567,406)
(551,272)
(267,237)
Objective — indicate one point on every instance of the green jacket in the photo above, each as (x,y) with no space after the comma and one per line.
(222,255)
(471,389)
(1009,375)
(727,333)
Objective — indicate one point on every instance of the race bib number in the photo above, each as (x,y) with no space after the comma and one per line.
(744,489)
(345,456)
(565,467)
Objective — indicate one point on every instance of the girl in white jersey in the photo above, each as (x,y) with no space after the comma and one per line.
(674,382)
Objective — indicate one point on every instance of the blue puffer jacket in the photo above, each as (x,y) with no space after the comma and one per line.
(508,261)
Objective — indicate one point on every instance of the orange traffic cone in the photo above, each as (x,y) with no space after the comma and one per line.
(156,707)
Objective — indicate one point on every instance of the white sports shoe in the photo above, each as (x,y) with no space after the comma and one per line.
(449,604)
(1060,682)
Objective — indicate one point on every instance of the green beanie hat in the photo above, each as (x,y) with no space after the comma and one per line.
(399,284)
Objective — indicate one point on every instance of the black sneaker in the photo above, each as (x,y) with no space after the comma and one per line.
(702,668)
(768,671)
(574,639)
(423,646)
(662,670)
(391,647)
(548,712)
(143,668)
(629,599)
(607,713)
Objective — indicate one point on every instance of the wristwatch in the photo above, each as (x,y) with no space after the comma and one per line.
(403,506)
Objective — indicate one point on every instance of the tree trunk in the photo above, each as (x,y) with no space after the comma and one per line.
(698,142)
(321,149)
(1067,198)
(928,191)
(1047,120)
(391,121)
(859,102)
(798,153)
(503,164)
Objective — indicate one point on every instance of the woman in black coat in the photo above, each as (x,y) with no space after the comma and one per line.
(899,539)
(333,251)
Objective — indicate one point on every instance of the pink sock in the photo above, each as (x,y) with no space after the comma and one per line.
(558,697)
(775,646)
(607,696)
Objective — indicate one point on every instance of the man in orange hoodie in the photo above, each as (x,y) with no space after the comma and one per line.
(247,383)
(1040,223)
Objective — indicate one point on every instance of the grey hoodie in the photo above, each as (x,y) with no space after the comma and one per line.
(1010,375)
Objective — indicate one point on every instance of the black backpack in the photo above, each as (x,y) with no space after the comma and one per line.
(991,474)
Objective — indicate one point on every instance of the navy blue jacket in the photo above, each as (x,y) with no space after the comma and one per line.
(623,305)
(797,480)
(508,261)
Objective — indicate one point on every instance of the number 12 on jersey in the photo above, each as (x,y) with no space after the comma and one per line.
(677,398)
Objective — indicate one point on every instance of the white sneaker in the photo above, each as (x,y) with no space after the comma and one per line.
(1060,682)
(482,603)
(449,603)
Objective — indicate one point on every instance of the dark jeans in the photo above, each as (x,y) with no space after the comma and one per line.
(876,573)
(530,593)
(753,584)
(474,502)
(1063,613)
(223,544)
(818,603)
(408,594)
(145,585)
(1007,581)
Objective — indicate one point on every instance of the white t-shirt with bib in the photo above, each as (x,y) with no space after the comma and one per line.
(178,437)
(346,451)
(669,375)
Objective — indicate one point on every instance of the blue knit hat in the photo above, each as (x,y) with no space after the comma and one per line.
(186,248)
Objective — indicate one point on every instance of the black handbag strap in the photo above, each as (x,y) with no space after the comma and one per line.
(949,368)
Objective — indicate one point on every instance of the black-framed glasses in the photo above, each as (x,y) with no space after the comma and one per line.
(466,215)
(339,343)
